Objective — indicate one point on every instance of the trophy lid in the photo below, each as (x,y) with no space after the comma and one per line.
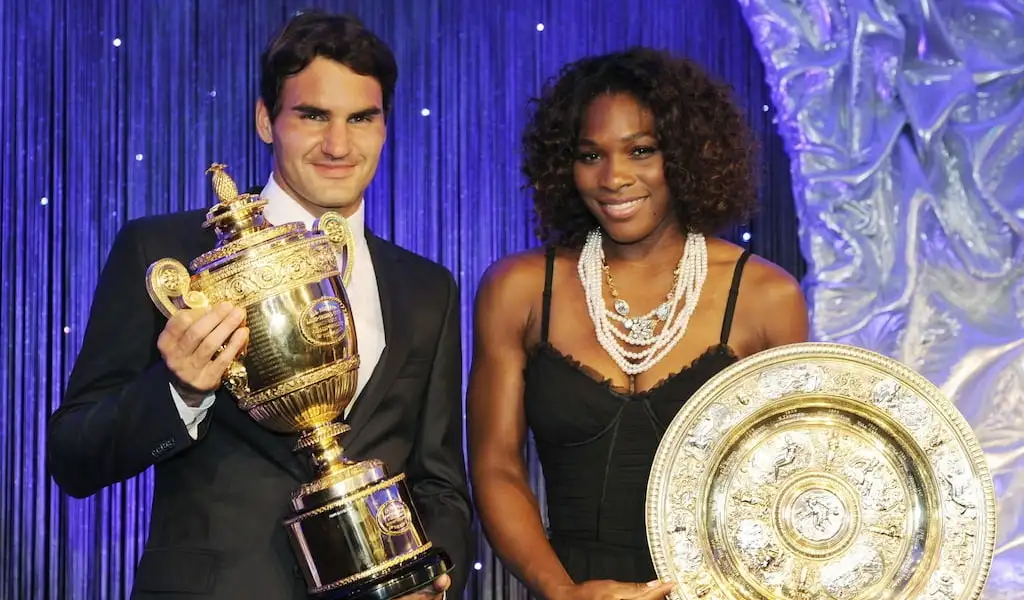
(820,471)
(238,221)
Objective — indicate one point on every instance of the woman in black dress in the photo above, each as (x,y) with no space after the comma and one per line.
(594,342)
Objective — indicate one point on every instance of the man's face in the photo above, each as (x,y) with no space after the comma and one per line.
(327,137)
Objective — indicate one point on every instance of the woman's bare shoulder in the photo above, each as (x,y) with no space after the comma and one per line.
(758,273)
(776,288)
(511,286)
(778,303)
(770,297)
(516,273)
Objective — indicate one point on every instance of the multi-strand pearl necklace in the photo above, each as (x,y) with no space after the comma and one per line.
(639,331)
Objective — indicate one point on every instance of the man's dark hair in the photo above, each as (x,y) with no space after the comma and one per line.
(707,146)
(341,38)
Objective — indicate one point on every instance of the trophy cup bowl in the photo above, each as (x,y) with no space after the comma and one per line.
(821,471)
(354,529)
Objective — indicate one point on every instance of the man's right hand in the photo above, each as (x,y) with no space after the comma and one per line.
(189,345)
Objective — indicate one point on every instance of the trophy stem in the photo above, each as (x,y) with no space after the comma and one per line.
(325,448)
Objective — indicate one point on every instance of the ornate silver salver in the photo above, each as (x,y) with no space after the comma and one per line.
(817,472)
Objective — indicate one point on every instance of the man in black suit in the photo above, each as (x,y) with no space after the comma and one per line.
(146,391)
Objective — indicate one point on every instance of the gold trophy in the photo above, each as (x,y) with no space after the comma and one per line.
(821,471)
(354,531)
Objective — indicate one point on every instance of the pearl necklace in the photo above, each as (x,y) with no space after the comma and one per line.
(640,328)
(689,280)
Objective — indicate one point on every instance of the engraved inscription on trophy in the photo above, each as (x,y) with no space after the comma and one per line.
(323,322)
(262,351)
(393,517)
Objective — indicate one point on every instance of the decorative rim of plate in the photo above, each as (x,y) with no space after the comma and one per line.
(801,355)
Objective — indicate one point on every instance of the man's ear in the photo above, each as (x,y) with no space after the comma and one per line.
(263,125)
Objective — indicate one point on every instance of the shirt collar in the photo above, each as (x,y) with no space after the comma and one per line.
(282,208)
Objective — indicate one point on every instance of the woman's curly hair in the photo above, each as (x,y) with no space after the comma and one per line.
(707,147)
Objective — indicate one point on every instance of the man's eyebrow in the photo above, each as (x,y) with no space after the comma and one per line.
(366,113)
(309,109)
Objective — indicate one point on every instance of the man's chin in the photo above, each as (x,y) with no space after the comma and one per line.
(326,195)
(346,206)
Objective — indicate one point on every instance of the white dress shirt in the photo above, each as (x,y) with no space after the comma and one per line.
(362,294)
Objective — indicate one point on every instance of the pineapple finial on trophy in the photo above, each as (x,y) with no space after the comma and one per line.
(223,184)
(235,215)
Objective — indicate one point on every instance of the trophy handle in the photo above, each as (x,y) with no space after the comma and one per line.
(167,282)
(336,228)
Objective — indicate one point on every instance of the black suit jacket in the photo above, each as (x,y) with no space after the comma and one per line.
(216,528)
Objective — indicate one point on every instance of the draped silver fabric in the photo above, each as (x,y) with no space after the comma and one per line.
(904,122)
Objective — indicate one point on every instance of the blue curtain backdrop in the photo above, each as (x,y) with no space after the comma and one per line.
(112,109)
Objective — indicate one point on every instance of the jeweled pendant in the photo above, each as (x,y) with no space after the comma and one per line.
(644,329)
(621,307)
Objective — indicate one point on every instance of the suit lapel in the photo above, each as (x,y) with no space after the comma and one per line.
(388,267)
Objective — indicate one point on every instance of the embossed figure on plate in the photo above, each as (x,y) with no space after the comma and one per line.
(818,515)
(785,457)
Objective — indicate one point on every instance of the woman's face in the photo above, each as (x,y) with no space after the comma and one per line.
(619,170)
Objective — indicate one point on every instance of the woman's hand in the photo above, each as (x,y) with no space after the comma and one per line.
(614,590)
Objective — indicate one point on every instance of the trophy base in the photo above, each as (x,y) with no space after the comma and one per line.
(419,574)
(357,535)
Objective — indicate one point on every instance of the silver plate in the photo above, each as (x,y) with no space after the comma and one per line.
(816,472)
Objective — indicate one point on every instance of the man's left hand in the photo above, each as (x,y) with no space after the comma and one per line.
(435,592)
